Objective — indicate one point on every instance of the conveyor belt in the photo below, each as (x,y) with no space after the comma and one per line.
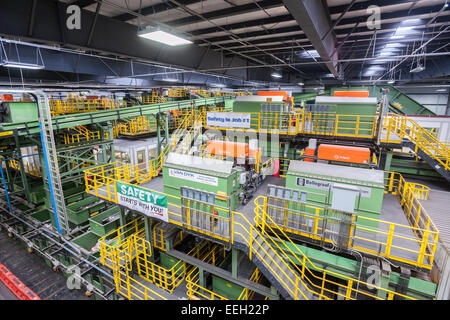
(77,119)
(35,273)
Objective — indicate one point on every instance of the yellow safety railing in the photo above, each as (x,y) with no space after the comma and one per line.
(303,279)
(177,93)
(153,99)
(414,244)
(116,244)
(197,291)
(246,293)
(83,134)
(29,168)
(284,167)
(136,126)
(105,176)
(60,107)
(159,237)
(390,240)
(397,128)
(120,248)
(359,126)
(246,232)
(132,289)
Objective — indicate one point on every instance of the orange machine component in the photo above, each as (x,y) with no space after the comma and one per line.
(344,154)
(352,94)
(91,97)
(7,97)
(228,149)
(311,153)
(283,94)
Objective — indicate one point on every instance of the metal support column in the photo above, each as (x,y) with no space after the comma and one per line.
(201,277)
(148,235)
(234,262)
(166,128)
(387,165)
(23,174)
(385,275)
(111,147)
(122,217)
(158,132)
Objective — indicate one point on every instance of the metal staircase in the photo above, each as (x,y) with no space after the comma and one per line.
(406,132)
(274,267)
(270,260)
(52,181)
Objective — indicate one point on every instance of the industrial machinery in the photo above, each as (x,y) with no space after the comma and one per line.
(297,220)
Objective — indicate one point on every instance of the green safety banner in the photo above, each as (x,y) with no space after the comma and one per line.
(150,203)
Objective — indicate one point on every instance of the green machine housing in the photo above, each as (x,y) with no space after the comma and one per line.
(202,174)
(16,112)
(355,190)
(326,109)
(275,114)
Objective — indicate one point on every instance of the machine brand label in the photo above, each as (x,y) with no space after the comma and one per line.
(228,120)
(313,184)
(151,204)
(324,185)
(212,181)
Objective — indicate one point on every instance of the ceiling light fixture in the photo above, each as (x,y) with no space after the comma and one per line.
(21,65)
(158,35)
(419,68)
(276,75)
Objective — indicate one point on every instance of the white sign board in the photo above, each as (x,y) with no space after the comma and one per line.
(212,181)
(228,120)
(150,203)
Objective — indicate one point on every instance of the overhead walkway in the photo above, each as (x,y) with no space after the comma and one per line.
(77,119)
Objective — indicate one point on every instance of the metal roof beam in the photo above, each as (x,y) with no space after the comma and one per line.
(154,9)
(313,19)
(228,12)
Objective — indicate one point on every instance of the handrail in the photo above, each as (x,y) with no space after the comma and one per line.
(61,107)
(304,265)
(29,168)
(398,128)
(293,123)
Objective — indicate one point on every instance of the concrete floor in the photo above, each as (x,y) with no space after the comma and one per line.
(5,294)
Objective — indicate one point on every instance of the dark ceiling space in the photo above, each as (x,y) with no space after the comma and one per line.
(236,43)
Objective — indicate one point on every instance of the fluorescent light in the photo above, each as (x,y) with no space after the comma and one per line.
(397,37)
(21,65)
(441,90)
(276,75)
(411,21)
(218,85)
(405,28)
(163,37)
(301,84)
(393,45)
(310,54)
(391,81)
(170,80)
(418,69)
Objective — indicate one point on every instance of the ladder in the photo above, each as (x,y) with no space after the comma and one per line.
(52,181)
